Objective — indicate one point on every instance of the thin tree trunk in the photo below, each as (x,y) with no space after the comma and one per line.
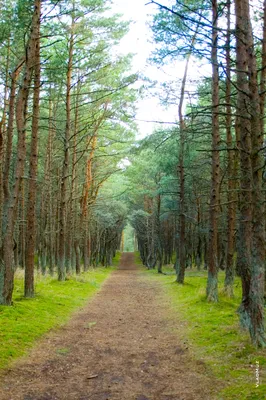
(3,138)
(212,284)
(181,265)
(10,131)
(65,167)
(263,89)
(22,225)
(73,231)
(33,170)
(231,197)
(51,207)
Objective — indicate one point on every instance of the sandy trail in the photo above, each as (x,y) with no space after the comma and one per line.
(119,347)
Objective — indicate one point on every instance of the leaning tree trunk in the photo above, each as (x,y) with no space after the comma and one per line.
(212,284)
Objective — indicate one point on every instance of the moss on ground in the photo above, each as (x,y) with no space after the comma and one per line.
(28,319)
(213,334)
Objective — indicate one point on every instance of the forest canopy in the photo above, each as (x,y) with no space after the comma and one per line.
(73,176)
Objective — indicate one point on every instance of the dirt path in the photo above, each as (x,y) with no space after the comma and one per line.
(120,347)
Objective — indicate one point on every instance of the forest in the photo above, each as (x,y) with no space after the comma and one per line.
(78,186)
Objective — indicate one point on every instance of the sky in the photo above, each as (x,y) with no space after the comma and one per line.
(139,42)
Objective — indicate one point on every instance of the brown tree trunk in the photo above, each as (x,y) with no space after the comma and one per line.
(252,230)
(65,167)
(3,137)
(263,89)
(181,265)
(263,70)
(73,230)
(10,131)
(231,197)
(22,225)
(6,262)
(198,257)
(51,205)
(256,310)
(88,188)
(212,284)
(33,170)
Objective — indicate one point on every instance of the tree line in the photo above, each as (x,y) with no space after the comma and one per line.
(201,198)
(66,122)
(196,189)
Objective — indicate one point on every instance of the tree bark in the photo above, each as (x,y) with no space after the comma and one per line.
(33,170)
(65,167)
(6,262)
(262,91)
(3,136)
(231,196)
(212,284)
(252,229)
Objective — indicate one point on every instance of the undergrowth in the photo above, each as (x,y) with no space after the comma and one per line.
(28,319)
(213,334)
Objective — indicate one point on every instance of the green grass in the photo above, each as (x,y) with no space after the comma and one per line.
(28,319)
(213,334)
(116,259)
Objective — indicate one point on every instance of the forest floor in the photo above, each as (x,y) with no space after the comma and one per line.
(121,346)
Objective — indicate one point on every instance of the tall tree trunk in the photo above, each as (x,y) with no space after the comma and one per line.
(252,229)
(256,310)
(73,230)
(199,239)
(181,266)
(263,70)
(10,131)
(33,170)
(6,262)
(212,284)
(22,225)
(231,197)
(3,136)
(51,207)
(262,90)
(65,167)
(158,233)
(88,187)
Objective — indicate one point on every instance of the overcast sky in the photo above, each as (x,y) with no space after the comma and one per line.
(138,41)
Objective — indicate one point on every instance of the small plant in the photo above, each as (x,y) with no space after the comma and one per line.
(89,325)
(62,351)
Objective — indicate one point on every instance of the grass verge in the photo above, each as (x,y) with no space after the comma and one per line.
(28,319)
(213,334)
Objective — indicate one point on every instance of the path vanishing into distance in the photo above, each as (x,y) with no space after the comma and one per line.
(121,346)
